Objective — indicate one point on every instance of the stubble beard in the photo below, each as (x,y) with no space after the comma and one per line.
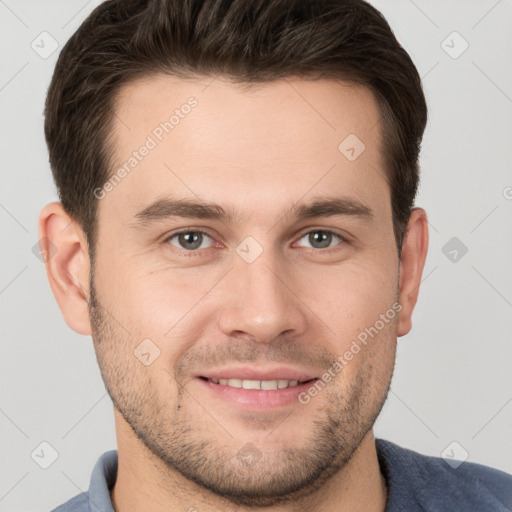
(180,440)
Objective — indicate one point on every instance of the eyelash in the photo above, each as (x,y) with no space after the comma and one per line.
(325,250)
(185,252)
(201,252)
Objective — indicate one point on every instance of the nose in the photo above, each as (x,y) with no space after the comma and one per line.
(260,303)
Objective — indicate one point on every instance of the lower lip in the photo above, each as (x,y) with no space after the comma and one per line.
(257,398)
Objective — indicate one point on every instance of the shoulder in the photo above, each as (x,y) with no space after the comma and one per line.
(79,503)
(103,478)
(420,482)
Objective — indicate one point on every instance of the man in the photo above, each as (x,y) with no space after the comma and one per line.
(237,232)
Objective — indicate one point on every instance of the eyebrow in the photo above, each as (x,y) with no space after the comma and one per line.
(168,208)
(328,207)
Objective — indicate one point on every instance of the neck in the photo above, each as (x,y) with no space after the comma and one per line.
(145,483)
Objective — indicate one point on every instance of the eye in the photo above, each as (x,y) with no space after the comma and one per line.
(320,239)
(191,240)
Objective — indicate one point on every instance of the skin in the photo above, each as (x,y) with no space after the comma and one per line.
(257,152)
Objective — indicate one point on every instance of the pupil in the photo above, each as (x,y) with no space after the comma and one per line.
(190,240)
(320,239)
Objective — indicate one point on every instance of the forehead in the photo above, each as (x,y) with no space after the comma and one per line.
(212,139)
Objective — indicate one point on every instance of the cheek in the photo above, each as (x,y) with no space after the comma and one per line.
(160,304)
(357,303)
(349,297)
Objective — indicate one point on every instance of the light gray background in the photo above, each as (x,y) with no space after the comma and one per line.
(452,380)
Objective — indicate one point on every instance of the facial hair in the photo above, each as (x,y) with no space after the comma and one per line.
(178,437)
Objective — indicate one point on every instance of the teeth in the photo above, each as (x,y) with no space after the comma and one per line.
(269,384)
(282,384)
(256,384)
(251,384)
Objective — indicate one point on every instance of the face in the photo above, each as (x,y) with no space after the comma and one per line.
(244,245)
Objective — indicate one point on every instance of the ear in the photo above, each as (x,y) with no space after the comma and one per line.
(414,253)
(65,252)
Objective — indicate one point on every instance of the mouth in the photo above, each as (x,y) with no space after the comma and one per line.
(254,395)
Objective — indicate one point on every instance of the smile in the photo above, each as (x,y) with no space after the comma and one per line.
(266,385)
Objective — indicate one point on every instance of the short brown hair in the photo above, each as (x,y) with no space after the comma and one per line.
(248,41)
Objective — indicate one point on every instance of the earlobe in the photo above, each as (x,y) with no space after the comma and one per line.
(65,252)
(412,262)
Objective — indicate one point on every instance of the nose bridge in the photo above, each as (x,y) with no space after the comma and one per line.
(262,287)
(260,304)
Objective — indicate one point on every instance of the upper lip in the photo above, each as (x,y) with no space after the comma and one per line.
(253,373)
